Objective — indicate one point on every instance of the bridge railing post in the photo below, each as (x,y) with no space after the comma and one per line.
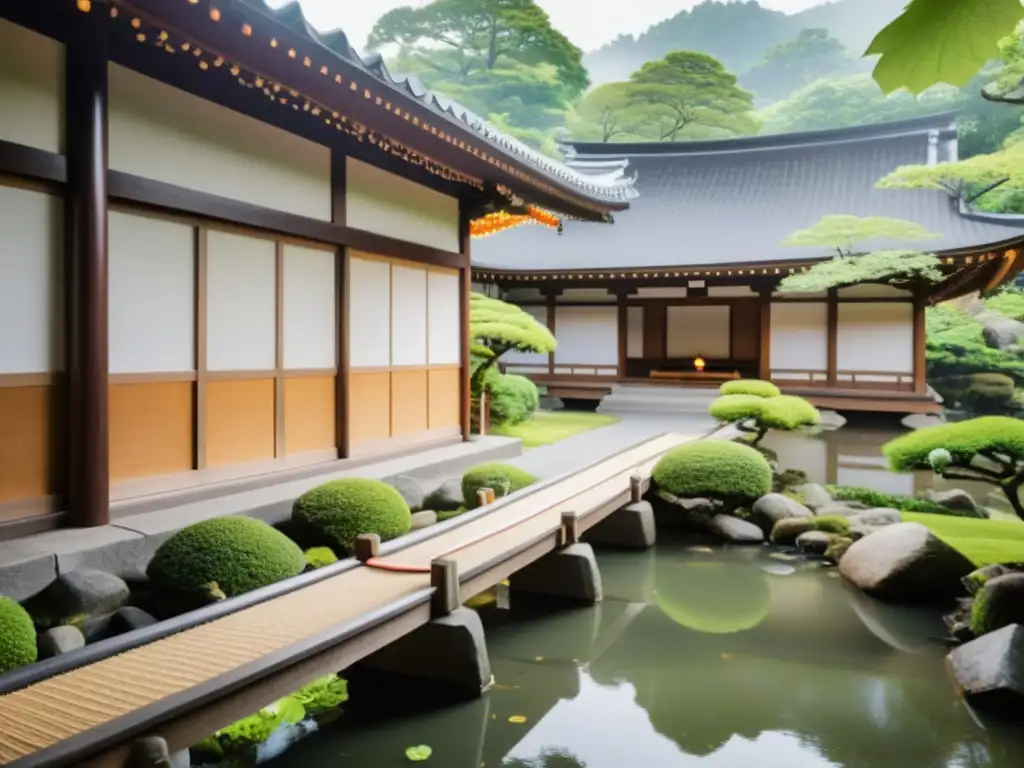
(367,546)
(444,578)
(570,528)
(636,488)
(485,496)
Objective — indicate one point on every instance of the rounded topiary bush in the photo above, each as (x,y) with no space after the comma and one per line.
(238,554)
(730,408)
(320,557)
(17,636)
(755,387)
(513,400)
(715,469)
(788,412)
(335,513)
(503,479)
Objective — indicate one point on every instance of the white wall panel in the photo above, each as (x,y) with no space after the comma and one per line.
(408,316)
(734,291)
(310,308)
(877,479)
(444,309)
(31,88)
(634,332)
(381,202)
(698,330)
(661,292)
(570,295)
(241,303)
(369,313)
(587,335)
(30,281)
(875,337)
(152,294)
(799,335)
(540,314)
(168,135)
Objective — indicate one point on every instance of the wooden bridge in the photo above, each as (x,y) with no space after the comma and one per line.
(185,686)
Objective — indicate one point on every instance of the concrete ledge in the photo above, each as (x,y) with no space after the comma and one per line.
(570,574)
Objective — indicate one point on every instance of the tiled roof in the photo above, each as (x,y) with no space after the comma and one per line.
(734,202)
(291,16)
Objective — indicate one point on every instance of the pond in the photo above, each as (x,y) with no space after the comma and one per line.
(726,658)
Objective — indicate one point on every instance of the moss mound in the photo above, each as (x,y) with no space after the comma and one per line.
(755,387)
(786,531)
(335,513)
(319,557)
(716,469)
(788,412)
(962,439)
(17,636)
(503,479)
(730,408)
(714,598)
(238,554)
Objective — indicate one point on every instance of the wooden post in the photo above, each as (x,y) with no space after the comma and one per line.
(367,546)
(444,578)
(636,488)
(551,327)
(623,334)
(765,358)
(339,215)
(465,287)
(570,528)
(832,337)
(88,483)
(484,496)
(920,359)
(490,495)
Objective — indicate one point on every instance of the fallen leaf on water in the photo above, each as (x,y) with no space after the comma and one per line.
(498,687)
(539,658)
(726,656)
(418,754)
(517,719)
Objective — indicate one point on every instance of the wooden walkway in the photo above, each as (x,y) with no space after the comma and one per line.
(156,688)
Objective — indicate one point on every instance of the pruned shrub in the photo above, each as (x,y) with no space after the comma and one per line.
(873,498)
(714,469)
(788,412)
(756,415)
(733,408)
(237,554)
(335,513)
(513,400)
(320,557)
(755,387)
(17,636)
(503,479)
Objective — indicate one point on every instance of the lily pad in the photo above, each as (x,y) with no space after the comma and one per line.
(418,754)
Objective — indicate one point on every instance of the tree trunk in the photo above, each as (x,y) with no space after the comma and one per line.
(1011,489)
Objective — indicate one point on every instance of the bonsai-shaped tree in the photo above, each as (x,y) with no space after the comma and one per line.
(844,234)
(989,449)
(496,328)
(756,406)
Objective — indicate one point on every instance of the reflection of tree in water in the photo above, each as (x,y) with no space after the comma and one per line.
(548,758)
(716,598)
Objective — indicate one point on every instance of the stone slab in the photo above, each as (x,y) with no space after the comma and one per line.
(570,574)
(631,527)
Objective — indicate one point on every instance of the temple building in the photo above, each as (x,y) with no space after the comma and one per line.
(232,250)
(683,290)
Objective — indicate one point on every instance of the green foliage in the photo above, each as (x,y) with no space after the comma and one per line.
(335,513)
(758,414)
(514,399)
(238,554)
(845,232)
(418,754)
(715,469)
(17,636)
(978,393)
(249,731)
(319,557)
(1009,302)
(499,327)
(983,542)
(608,112)
(955,347)
(755,387)
(873,498)
(787,412)
(732,408)
(891,267)
(503,479)
(322,695)
(792,64)
(941,41)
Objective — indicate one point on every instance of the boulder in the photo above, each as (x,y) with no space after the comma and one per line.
(128,619)
(682,513)
(411,491)
(1001,332)
(838,547)
(870,520)
(60,640)
(955,499)
(814,542)
(905,562)
(735,530)
(445,498)
(989,671)
(831,420)
(841,509)
(814,495)
(999,603)
(772,507)
(921,420)
(423,519)
(83,592)
(786,531)
(975,580)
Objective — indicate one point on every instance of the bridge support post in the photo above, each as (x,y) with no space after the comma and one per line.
(152,752)
(631,527)
(570,574)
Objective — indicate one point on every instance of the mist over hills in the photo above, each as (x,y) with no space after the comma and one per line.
(738,33)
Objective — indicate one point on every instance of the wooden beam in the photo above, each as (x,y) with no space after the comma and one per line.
(920,369)
(623,334)
(339,191)
(765,354)
(832,336)
(465,285)
(550,301)
(88,441)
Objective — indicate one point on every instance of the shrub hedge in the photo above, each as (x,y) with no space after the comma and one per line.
(335,513)
(513,399)
(875,498)
(755,387)
(17,636)
(963,440)
(716,469)
(503,479)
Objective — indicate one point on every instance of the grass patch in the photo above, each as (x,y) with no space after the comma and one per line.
(983,542)
(546,427)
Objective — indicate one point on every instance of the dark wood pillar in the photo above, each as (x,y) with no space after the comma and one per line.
(465,287)
(920,365)
(339,216)
(88,502)
(765,353)
(551,296)
(832,324)
(623,333)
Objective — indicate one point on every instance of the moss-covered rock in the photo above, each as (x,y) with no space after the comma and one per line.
(714,469)
(786,531)
(237,554)
(17,636)
(335,513)
(788,480)
(1000,602)
(837,548)
(755,387)
(503,479)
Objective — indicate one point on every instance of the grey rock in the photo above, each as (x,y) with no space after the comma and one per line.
(631,527)
(1002,332)
(814,542)
(831,420)
(955,499)
(60,640)
(999,603)
(411,491)
(735,530)
(84,592)
(149,752)
(423,519)
(814,495)
(445,498)
(841,509)
(989,671)
(905,562)
(772,507)
(975,580)
(870,520)
(921,420)
(128,619)
(96,627)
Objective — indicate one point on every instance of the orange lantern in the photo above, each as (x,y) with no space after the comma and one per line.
(698,364)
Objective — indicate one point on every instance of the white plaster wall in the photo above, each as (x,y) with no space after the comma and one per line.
(310,319)
(408,316)
(540,314)
(31,88)
(879,479)
(571,295)
(698,330)
(31,243)
(241,303)
(444,310)
(875,337)
(587,335)
(798,451)
(634,332)
(736,291)
(168,135)
(872,291)
(369,313)
(381,202)
(660,292)
(151,278)
(799,336)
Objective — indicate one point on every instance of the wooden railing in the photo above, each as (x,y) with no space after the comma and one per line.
(844,379)
(563,369)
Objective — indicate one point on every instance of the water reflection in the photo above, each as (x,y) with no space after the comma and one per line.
(698,660)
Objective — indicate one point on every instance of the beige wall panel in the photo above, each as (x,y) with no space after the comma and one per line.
(31,88)
(444,394)
(168,135)
(26,442)
(309,414)
(408,402)
(369,409)
(239,421)
(698,330)
(151,429)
